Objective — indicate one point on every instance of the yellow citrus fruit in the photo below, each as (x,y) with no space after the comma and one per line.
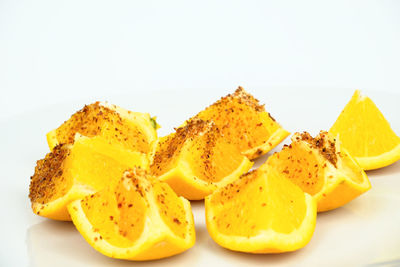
(245,123)
(366,134)
(322,168)
(140,218)
(72,171)
(196,159)
(262,212)
(131,130)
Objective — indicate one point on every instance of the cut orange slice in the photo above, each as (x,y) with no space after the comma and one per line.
(245,123)
(262,212)
(70,172)
(322,168)
(131,130)
(197,159)
(366,134)
(140,218)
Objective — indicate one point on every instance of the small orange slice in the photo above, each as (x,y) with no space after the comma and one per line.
(244,122)
(72,171)
(140,218)
(322,168)
(366,134)
(131,130)
(196,159)
(262,212)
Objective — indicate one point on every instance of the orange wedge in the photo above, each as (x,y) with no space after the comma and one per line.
(140,218)
(131,130)
(322,168)
(245,123)
(366,134)
(262,212)
(196,159)
(72,171)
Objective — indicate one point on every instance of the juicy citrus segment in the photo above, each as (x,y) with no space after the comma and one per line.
(72,171)
(197,159)
(278,217)
(131,130)
(322,168)
(139,218)
(170,208)
(245,123)
(366,134)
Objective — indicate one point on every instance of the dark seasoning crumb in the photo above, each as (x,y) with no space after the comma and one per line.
(246,133)
(174,143)
(48,172)
(95,119)
(323,143)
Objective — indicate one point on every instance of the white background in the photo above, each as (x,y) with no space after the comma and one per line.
(172,58)
(57,51)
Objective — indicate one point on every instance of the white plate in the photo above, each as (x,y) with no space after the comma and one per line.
(365,231)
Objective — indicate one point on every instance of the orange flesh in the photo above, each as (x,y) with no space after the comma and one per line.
(369,133)
(94,120)
(201,145)
(301,166)
(48,182)
(122,212)
(241,119)
(275,203)
(349,166)
(168,150)
(132,207)
(170,208)
(212,158)
(304,162)
(96,170)
(86,163)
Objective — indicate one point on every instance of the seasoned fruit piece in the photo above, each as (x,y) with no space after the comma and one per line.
(196,159)
(322,168)
(366,134)
(139,218)
(245,123)
(72,171)
(262,212)
(131,130)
